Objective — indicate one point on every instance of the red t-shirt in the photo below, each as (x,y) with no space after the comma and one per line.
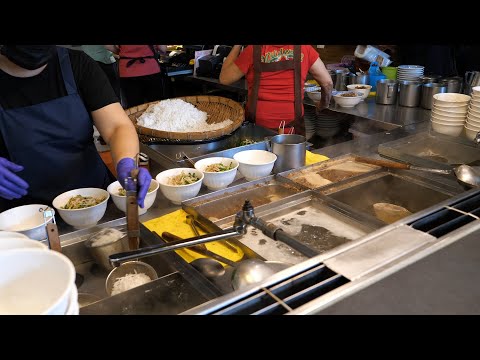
(276,92)
(149,67)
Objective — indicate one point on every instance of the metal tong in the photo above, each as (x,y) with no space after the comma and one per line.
(194,223)
(133,225)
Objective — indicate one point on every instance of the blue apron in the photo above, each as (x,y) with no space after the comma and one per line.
(53,140)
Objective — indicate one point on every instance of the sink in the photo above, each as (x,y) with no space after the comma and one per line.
(175,276)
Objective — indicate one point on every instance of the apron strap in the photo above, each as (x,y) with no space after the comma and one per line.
(67,73)
(252,108)
(297,70)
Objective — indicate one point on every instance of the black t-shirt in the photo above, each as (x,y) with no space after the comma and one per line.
(92,85)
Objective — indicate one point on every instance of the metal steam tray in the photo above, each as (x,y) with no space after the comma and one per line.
(328,172)
(396,187)
(310,220)
(431,150)
(226,203)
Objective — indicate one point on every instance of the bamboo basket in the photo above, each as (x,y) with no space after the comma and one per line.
(218,108)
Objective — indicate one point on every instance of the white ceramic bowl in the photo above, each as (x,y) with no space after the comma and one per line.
(73,305)
(178,193)
(470,132)
(473,124)
(363,92)
(315,95)
(474,112)
(35,282)
(217,180)
(121,201)
(26,219)
(447,129)
(86,217)
(473,117)
(347,101)
(451,109)
(451,99)
(437,111)
(451,119)
(10,243)
(255,164)
(472,106)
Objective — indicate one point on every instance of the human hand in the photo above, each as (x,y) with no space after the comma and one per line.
(124,167)
(11,185)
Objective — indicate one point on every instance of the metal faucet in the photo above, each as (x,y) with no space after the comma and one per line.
(243,218)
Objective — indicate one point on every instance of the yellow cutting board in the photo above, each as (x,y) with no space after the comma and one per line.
(311,158)
(175,223)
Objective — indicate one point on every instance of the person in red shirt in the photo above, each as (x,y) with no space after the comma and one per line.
(139,71)
(276,75)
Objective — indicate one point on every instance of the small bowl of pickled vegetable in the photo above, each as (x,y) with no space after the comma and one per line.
(219,172)
(119,196)
(180,184)
(82,208)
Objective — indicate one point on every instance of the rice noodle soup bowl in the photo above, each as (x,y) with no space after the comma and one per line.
(219,172)
(120,200)
(180,184)
(255,164)
(78,215)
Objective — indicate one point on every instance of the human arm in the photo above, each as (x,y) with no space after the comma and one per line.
(118,131)
(230,71)
(323,78)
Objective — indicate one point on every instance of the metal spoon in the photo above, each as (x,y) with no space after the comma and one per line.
(468,175)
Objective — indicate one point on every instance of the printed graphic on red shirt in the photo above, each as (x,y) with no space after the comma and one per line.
(279,55)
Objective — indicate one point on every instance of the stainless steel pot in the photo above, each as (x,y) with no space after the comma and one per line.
(410,92)
(387,91)
(454,84)
(290,150)
(430,89)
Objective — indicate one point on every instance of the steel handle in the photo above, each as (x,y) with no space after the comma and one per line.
(116,259)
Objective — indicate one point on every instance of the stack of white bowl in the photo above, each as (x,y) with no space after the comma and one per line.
(472,125)
(35,280)
(449,112)
(409,72)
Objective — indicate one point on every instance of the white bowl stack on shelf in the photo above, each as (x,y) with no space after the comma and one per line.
(472,125)
(409,72)
(449,112)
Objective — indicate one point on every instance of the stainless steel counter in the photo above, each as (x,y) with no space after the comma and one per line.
(407,121)
(394,114)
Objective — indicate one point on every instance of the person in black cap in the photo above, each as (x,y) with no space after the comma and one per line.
(50,98)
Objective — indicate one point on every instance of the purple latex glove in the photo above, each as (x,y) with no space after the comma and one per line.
(144,178)
(11,185)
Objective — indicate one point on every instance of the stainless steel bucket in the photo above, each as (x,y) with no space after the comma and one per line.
(430,89)
(387,91)
(410,93)
(290,150)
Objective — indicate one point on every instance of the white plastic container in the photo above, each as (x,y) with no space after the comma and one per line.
(370,53)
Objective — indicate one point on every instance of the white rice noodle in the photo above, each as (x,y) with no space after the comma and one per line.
(129,281)
(177,115)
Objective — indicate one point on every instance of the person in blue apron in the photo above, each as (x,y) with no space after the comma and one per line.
(50,98)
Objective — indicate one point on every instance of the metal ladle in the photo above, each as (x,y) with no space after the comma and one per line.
(245,272)
(468,175)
